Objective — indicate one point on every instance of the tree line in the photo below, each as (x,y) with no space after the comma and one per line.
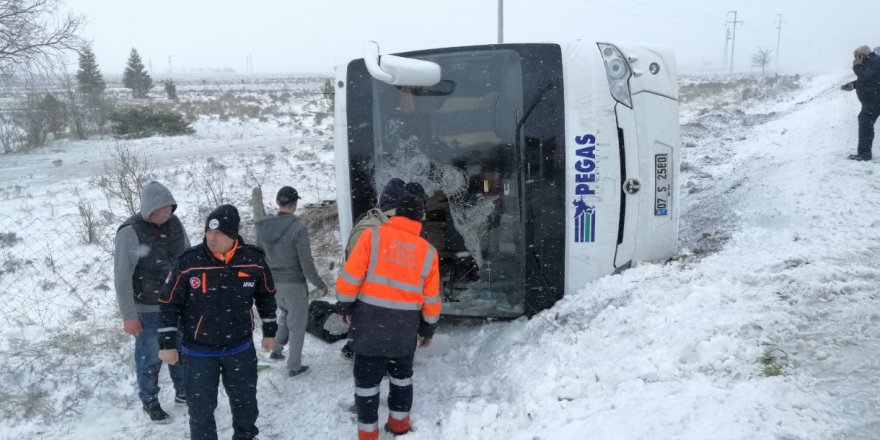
(35,37)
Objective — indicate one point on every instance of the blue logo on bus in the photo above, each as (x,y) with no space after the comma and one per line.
(584,222)
(584,185)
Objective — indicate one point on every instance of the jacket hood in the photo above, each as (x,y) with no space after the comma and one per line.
(154,196)
(272,228)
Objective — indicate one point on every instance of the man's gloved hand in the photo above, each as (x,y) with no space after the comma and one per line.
(848,87)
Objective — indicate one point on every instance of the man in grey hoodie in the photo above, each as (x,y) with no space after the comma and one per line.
(147,247)
(286,243)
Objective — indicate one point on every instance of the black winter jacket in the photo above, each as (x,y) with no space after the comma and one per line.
(868,80)
(213,300)
(160,244)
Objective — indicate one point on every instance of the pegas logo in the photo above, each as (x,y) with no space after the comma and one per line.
(584,220)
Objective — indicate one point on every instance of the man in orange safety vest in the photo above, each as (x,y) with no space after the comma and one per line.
(388,291)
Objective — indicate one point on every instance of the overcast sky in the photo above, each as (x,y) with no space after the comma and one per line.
(298,36)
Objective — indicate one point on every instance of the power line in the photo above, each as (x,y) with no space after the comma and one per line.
(648,17)
(673,14)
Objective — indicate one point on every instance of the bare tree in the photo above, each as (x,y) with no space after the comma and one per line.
(762,58)
(35,33)
(88,219)
(10,134)
(211,185)
(124,177)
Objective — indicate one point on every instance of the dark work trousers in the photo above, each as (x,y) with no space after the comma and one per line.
(867,118)
(239,374)
(368,374)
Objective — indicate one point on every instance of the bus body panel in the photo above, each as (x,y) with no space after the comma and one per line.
(592,188)
(659,138)
(341,157)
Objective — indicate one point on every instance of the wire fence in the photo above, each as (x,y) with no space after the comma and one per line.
(47,271)
(60,268)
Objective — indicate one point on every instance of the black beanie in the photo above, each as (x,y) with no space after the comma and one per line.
(391,194)
(411,207)
(417,190)
(224,219)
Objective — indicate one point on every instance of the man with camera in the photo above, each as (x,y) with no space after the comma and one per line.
(866,65)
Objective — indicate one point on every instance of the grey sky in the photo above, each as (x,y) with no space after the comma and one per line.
(312,37)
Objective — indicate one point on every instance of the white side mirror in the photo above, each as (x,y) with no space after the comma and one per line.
(400,71)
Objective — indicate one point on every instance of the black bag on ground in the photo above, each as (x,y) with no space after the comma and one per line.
(324,322)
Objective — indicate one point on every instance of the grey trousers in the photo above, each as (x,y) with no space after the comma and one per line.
(293,303)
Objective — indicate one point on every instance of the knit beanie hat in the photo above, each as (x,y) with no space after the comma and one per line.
(391,194)
(224,219)
(411,207)
(417,190)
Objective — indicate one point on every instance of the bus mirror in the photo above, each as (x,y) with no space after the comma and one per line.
(443,88)
(400,71)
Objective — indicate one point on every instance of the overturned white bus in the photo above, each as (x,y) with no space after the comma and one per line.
(546,165)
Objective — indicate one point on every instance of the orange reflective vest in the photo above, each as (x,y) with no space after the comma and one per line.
(392,267)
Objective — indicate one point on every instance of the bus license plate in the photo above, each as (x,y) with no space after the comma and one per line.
(661,184)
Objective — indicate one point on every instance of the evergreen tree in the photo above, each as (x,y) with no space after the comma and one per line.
(89,80)
(329,94)
(170,89)
(135,77)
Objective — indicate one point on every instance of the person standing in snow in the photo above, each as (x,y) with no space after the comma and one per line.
(388,291)
(391,193)
(288,253)
(211,293)
(866,65)
(147,247)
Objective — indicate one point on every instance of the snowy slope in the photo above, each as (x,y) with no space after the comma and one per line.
(780,233)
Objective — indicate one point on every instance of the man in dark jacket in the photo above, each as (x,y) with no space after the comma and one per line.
(866,65)
(147,247)
(289,255)
(388,291)
(211,293)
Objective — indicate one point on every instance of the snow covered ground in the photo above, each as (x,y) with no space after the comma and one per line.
(766,326)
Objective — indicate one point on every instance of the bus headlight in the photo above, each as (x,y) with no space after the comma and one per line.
(618,73)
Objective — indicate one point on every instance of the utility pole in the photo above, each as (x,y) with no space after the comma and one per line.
(726,46)
(500,21)
(778,38)
(733,41)
(170,70)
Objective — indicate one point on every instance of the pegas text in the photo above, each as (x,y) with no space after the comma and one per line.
(585,165)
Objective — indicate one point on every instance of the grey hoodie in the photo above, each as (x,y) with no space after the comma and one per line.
(129,250)
(288,252)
